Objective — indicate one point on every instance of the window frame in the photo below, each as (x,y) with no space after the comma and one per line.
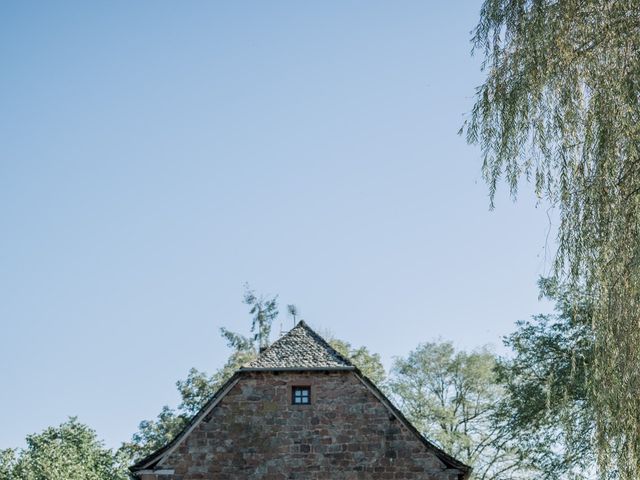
(301,389)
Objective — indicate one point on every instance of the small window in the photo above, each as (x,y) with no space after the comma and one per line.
(301,395)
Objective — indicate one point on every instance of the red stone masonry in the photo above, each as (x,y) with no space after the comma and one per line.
(255,432)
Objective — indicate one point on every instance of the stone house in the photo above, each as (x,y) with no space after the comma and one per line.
(300,410)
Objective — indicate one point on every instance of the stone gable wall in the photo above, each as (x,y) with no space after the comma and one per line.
(346,433)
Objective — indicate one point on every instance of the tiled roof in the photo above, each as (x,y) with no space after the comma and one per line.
(301,348)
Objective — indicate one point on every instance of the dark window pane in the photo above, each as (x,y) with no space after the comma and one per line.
(301,395)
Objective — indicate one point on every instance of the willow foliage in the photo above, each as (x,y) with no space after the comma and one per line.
(560,106)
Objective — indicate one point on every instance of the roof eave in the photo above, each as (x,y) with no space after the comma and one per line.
(296,369)
(450,461)
(151,460)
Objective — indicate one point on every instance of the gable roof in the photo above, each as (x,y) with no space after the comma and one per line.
(300,349)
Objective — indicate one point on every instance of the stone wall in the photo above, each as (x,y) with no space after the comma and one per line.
(345,433)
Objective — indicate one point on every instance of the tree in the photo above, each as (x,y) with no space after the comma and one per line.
(153,434)
(547,406)
(70,451)
(7,463)
(264,311)
(451,397)
(368,363)
(561,105)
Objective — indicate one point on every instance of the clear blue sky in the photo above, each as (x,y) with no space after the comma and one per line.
(155,155)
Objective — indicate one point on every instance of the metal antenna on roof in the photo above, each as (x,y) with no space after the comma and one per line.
(293,311)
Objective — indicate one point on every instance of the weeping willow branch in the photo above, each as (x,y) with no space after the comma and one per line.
(560,106)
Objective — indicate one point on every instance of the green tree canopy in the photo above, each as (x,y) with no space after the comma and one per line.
(547,408)
(264,311)
(451,397)
(70,451)
(561,105)
(7,463)
(368,363)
